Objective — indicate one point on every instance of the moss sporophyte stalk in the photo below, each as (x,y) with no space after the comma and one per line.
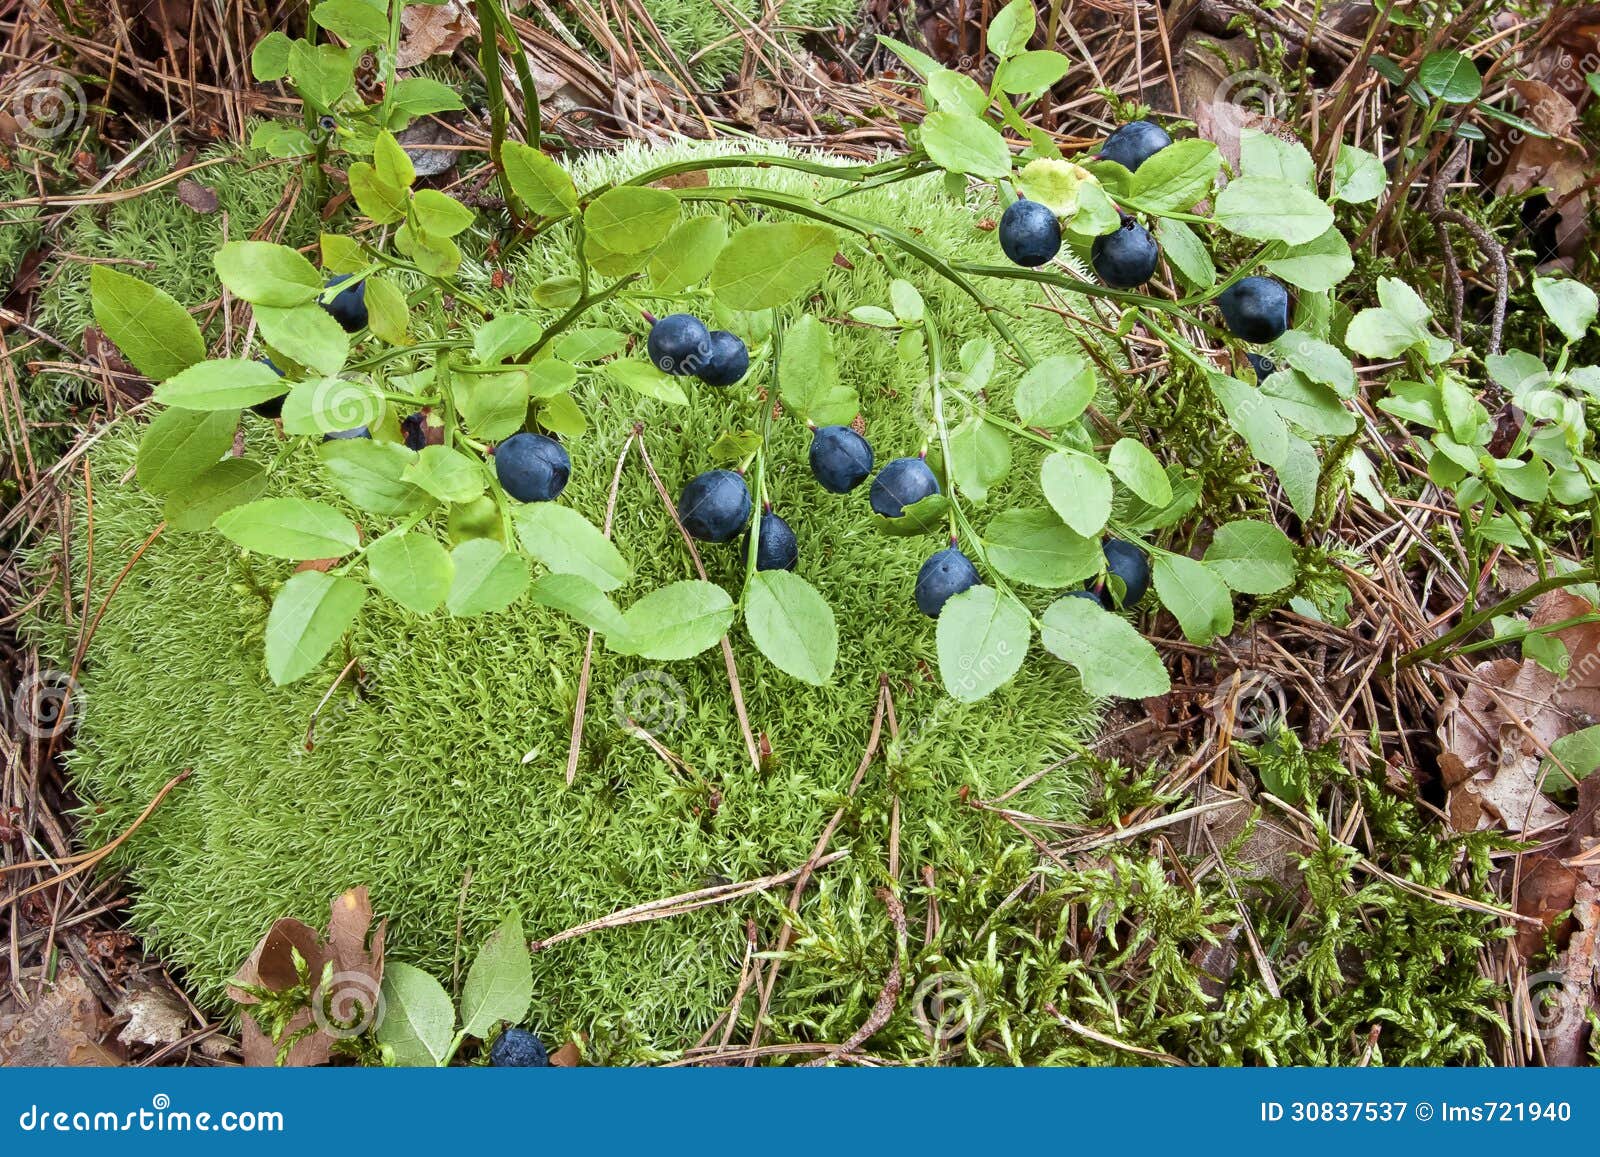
(639,449)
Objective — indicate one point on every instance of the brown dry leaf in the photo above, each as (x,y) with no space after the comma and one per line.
(198,197)
(64,1027)
(567,1056)
(1545,892)
(1572,993)
(433,30)
(357,973)
(1495,738)
(1222,122)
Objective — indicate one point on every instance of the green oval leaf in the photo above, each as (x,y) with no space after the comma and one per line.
(1078,489)
(231,482)
(1111,657)
(412,569)
(263,273)
(677,621)
(962,143)
(293,528)
(418,1021)
(309,615)
(771,264)
(488,578)
(1034,547)
(982,638)
(792,625)
(151,329)
(630,218)
(179,445)
(1271,209)
(568,543)
(222,384)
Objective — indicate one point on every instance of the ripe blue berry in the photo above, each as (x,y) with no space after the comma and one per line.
(1255,309)
(1100,597)
(1029,233)
(349,307)
(778,548)
(1134,144)
(715,506)
(1131,565)
(517,1048)
(358,432)
(272,407)
(1127,258)
(944,574)
(532,467)
(1264,367)
(840,458)
(901,483)
(679,344)
(729,360)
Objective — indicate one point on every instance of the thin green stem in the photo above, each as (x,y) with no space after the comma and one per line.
(1504,607)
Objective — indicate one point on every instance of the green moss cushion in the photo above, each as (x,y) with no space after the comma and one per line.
(446,758)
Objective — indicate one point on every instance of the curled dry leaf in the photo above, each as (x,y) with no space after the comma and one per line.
(433,30)
(1495,738)
(65,1026)
(356,967)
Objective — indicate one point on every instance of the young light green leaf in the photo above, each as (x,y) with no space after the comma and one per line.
(676,621)
(419,1022)
(330,405)
(1269,209)
(495,406)
(1186,253)
(231,482)
(447,474)
(1055,391)
(307,333)
(293,528)
(422,95)
(1264,155)
(956,91)
(980,457)
(353,21)
(412,569)
(383,201)
(578,598)
(549,377)
(388,316)
(372,475)
(962,143)
(487,578)
(630,218)
(1177,176)
(222,384)
(1255,558)
(1196,597)
(441,214)
(907,302)
(1570,304)
(269,59)
(1034,547)
(541,184)
(266,274)
(644,379)
(808,376)
(568,543)
(1111,657)
(684,259)
(1030,72)
(1318,361)
(1078,489)
(791,625)
(1011,28)
(982,639)
(1314,409)
(772,263)
(499,985)
(309,615)
(504,337)
(179,445)
(151,329)
(589,345)
(322,73)
(1140,472)
(1358,176)
(392,162)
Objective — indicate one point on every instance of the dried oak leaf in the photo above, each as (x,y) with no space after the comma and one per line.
(357,972)
(433,30)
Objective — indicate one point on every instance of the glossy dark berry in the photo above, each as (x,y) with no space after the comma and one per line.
(272,407)
(532,467)
(1264,367)
(729,360)
(1131,565)
(1127,258)
(348,307)
(715,506)
(778,548)
(679,344)
(1100,597)
(840,458)
(1134,144)
(945,574)
(1255,309)
(902,483)
(358,432)
(1029,233)
(517,1048)
(418,434)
